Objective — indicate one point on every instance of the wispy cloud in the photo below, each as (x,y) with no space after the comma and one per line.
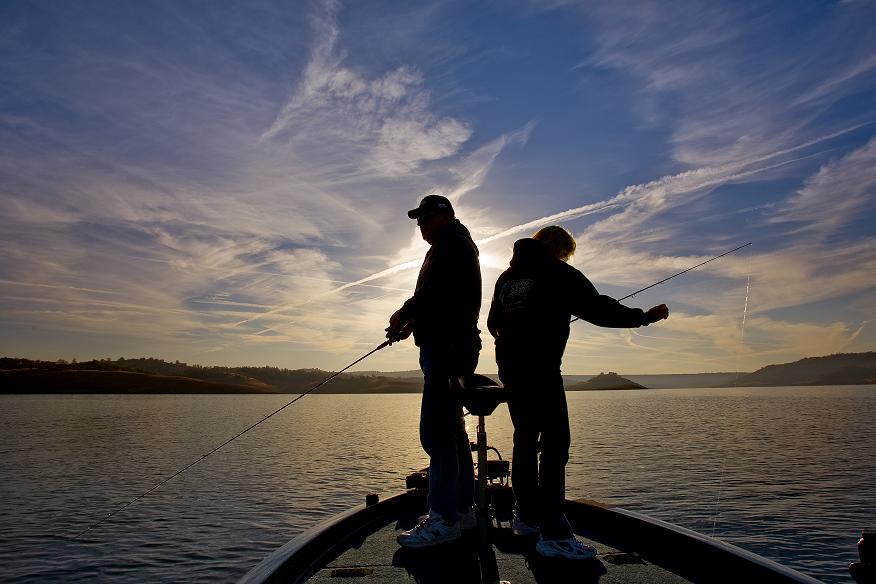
(836,195)
(385,122)
(472,170)
(840,83)
(469,173)
(708,76)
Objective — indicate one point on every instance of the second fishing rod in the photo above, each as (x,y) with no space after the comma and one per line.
(630,295)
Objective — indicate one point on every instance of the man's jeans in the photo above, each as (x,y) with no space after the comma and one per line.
(540,415)
(443,435)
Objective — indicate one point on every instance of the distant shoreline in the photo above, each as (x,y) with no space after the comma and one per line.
(33,382)
(155,376)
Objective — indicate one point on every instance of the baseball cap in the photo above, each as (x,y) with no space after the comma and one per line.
(430,205)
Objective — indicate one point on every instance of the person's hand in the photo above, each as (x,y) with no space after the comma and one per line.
(656,313)
(398,329)
(396,321)
(401,334)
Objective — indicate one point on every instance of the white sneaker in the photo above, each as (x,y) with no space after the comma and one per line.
(570,549)
(466,521)
(430,531)
(520,527)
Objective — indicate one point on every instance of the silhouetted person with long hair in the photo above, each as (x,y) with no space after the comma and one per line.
(443,315)
(532,305)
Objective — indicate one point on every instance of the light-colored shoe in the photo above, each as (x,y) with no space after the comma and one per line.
(520,527)
(429,532)
(466,521)
(570,549)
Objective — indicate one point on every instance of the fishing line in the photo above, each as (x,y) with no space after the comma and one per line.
(718,496)
(745,310)
(724,458)
(678,274)
(235,437)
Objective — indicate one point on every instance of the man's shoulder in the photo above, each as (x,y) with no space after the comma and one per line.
(457,238)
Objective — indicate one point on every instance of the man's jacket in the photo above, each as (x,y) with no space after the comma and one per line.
(447,300)
(533,303)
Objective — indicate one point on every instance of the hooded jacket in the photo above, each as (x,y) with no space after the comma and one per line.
(445,305)
(533,302)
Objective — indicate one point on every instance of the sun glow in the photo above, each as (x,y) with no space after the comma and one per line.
(493,260)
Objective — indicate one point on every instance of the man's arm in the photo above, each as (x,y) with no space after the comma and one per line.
(494,319)
(427,294)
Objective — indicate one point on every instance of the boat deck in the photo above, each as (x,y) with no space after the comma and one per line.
(377,557)
(360,545)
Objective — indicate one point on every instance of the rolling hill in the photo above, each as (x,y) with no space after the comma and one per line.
(840,369)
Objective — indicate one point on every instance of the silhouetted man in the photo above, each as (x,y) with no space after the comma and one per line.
(443,314)
(532,305)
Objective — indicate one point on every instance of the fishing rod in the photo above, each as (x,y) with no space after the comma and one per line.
(678,274)
(236,436)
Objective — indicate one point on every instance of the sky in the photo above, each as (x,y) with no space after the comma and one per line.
(226,183)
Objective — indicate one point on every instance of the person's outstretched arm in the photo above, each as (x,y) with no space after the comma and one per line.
(588,304)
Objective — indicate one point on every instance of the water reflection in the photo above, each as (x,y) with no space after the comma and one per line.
(786,473)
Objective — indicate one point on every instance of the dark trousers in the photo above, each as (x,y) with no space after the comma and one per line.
(541,421)
(442,432)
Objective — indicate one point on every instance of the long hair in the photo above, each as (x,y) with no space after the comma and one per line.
(559,241)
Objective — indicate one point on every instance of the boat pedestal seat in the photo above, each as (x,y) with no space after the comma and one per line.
(481,395)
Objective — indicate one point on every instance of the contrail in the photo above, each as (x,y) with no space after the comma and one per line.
(563,215)
(58,287)
(389,271)
(745,309)
(856,333)
(234,272)
(708,176)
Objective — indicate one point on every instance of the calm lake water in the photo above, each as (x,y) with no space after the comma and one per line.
(785,472)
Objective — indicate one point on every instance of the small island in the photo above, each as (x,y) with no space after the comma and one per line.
(605,381)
